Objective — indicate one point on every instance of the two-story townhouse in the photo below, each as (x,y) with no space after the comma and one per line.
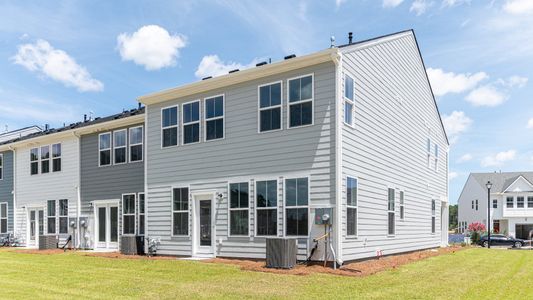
(355,130)
(511,203)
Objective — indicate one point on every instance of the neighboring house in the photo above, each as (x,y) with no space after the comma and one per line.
(7,179)
(253,154)
(112,179)
(511,202)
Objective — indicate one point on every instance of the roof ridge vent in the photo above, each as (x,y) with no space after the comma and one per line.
(290,56)
(208,77)
(261,64)
(233,71)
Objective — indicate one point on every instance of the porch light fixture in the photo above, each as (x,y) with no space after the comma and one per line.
(489,186)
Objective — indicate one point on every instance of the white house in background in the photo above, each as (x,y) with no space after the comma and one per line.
(511,202)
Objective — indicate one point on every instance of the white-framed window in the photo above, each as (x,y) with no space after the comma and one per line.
(349,100)
(104,149)
(136,140)
(120,142)
(520,202)
(477,204)
(266,199)
(509,202)
(239,209)
(45,159)
(1,166)
(433,209)
(56,157)
(142,208)
(472,204)
(391,212)
(169,126)
(180,211)
(297,207)
(494,203)
(63,216)
(436,158)
(3,217)
(34,161)
(128,214)
(530,202)
(301,98)
(270,106)
(351,206)
(214,117)
(429,152)
(191,122)
(402,205)
(51,217)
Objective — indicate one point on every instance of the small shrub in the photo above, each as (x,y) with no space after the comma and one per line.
(476,229)
(463,244)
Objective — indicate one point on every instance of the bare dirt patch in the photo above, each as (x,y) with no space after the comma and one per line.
(358,268)
(42,252)
(123,256)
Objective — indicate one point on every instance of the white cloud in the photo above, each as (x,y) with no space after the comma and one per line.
(515,81)
(530,124)
(151,46)
(518,7)
(455,124)
(391,3)
(452,175)
(487,95)
(499,159)
(419,7)
(211,65)
(56,64)
(466,157)
(444,83)
(451,3)
(338,3)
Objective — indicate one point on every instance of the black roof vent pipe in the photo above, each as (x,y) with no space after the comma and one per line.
(350,37)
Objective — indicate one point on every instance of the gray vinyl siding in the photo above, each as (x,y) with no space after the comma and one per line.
(244,154)
(6,187)
(387,148)
(107,182)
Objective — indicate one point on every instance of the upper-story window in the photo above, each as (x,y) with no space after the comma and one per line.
(136,143)
(34,161)
(494,203)
(436,157)
(510,202)
(270,107)
(297,206)
(520,202)
(472,204)
(1,166)
(530,202)
(301,101)
(391,212)
(45,159)
(41,156)
(191,122)
(169,126)
(214,118)
(104,148)
(428,147)
(348,99)
(56,157)
(119,146)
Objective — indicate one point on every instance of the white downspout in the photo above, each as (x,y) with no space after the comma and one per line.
(78,194)
(14,191)
(337,59)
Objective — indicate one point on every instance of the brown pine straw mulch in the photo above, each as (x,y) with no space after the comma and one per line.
(356,268)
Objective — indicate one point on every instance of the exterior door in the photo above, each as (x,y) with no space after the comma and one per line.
(204,232)
(106,223)
(36,226)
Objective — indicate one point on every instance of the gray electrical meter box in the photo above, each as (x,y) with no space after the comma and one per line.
(321,216)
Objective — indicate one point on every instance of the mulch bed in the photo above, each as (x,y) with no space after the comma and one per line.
(357,268)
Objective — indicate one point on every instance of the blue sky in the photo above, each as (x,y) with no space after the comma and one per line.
(61,60)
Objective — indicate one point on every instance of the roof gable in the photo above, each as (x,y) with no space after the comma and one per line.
(519,184)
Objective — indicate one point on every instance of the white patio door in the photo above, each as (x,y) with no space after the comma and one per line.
(36,226)
(106,226)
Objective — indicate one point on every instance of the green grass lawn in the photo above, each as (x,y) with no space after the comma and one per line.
(468,274)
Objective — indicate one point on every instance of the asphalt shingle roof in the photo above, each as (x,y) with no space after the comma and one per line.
(501,181)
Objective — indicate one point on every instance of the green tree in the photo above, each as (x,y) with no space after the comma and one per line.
(453,209)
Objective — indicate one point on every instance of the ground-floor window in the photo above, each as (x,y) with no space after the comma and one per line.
(63,216)
(351,206)
(297,210)
(141,213)
(128,214)
(3,217)
(180,211)
(266,196)
(433,209)
(239,209)
(391,212)
(51,217)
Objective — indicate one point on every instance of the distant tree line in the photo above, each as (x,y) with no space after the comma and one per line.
(453,214)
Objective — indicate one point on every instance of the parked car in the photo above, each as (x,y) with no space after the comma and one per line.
(501,240)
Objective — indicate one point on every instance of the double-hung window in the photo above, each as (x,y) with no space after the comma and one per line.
(266,197)
(520,202)
(180,211)
(510,202)
(104,148)
(136,143)
(472,204)
(494,203)
(239,209)
(436,158)
(402,207)
(45,159)
(214,118)
(191,122)
(63,216)
(56,157)
(477,204)
(301,101)
(530,202)
(51,217)
(391,212)
(348,99)
(1,166)
(169,126)
(297,207)
(270,107)
(141,213)
(433,208)
(429,152)
(3,217)
(34,161)
(119,146)
(128,214)
(351,206)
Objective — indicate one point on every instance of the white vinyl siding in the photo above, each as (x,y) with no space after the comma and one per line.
(169,126)
(214,118)
(301,101)
(270,103)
